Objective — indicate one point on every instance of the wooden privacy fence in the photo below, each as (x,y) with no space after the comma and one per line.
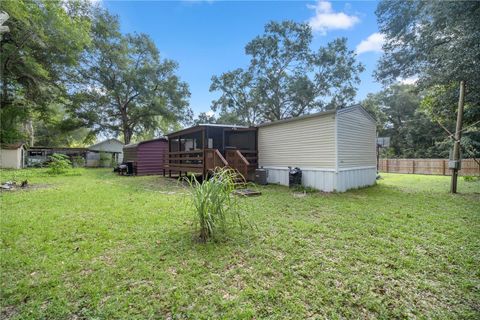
(427,166)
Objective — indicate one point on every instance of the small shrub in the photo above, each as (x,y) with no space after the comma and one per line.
(59,164)
(215,206)
(78,161)
(105,159)
(113,162)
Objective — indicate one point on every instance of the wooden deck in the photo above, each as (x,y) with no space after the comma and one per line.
(207,160)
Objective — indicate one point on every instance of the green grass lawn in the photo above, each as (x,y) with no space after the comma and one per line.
(100,246)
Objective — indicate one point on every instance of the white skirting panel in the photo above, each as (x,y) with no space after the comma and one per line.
(326,179)
(356,178)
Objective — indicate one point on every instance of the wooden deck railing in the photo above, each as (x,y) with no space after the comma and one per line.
(237,161)
(250,155)
(185,161)
(214,159)
(244,161)
(204,161)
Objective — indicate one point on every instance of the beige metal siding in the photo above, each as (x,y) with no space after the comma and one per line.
(11,159)
(304,143)
(356,139)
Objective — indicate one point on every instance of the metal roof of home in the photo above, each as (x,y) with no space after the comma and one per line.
(57,148)
(313,115)
(107,140)
(319,114)
(133,145)
(216,125)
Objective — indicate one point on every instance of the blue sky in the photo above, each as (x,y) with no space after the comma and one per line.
(208,37)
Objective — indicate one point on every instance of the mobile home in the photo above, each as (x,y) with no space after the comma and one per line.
(336,150)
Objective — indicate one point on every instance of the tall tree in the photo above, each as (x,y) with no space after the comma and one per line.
(399,116)
(438,43)
(239,96)
(45,40)
(286,78)
(126,87)
(204,117)
(60,130)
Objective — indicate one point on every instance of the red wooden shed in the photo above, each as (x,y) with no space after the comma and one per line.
(148,157)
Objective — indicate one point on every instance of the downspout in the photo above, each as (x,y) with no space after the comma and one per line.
(336,142)
(336,151)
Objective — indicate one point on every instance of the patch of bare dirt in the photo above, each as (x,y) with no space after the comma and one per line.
(8,312)
(27,187)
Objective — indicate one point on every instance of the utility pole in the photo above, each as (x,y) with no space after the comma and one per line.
(455,165)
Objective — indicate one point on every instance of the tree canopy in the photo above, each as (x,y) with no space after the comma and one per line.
(124,86)
(45,40)
(286,78)
(399,115)
(436,42)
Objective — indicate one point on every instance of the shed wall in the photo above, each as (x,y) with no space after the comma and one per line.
(151,157)
(11,159)
(356,139)
(130,154)
(306,143)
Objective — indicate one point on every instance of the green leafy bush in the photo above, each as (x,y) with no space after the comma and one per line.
(78,161)
(215,206)
(59,164)
(105,159)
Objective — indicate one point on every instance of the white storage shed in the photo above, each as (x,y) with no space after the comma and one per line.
(336,150)
(12,156)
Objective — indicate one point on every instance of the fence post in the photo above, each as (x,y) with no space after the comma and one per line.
(413,166)
(386,164)
(443,167)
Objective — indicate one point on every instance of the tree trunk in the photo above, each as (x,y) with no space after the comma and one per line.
(127,131)
(127,135)
(28,127)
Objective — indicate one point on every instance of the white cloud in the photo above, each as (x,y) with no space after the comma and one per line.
(326,19)
(373,43)
(210,113)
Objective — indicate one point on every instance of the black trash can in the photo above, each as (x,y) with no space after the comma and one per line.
(294,177)
(129,168)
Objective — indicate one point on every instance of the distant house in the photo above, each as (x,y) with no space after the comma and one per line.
(336,150)
(111,148)
(12,156)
